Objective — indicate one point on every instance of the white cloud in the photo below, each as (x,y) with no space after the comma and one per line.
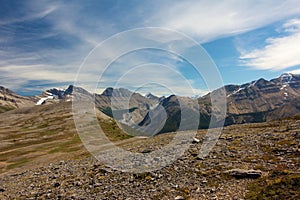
(279,52)
(208,20)
(37,72)
(296,71)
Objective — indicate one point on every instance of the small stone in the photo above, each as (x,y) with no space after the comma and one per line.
(214,197)
(179,198)
(56,184)
(78,183)
(195,140)
(146,151)
(97,184)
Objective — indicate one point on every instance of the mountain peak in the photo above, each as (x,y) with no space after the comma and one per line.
(286,77)
(117,92)
(151,96)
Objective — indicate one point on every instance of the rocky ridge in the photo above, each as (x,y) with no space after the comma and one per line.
(10,100)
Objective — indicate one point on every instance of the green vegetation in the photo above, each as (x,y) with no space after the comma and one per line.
(5,108)
(112,130)
(280,185)
(18,163)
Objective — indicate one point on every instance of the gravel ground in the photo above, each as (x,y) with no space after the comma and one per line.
(265,147)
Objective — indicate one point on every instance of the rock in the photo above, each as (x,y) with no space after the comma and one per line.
(194,152)
(146,151)
(195,140)
(200,158)
(242,173)
(56,184)
(78,183)
(179,198)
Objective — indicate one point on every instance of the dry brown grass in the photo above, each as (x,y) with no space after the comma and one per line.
(43,134)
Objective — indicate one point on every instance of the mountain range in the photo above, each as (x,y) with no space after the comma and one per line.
(257,101)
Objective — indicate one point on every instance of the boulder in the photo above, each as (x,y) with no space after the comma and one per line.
(243,173)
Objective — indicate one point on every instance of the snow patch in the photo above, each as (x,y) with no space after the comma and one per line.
(236,91)
(43,100)
(286,77)
(48,93)
(283,87)
(252,83)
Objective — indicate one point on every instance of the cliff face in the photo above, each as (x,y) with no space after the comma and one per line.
(264,100)
(263,95)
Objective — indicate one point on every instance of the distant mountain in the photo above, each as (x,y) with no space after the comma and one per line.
(174,107)
(151,96)
(256,101)
(56,95)
(125,106)
(261,100)
(10,100)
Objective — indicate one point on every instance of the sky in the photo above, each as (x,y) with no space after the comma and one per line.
(44,43)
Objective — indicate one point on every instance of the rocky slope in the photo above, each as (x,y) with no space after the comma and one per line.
(262,100)
(270,150)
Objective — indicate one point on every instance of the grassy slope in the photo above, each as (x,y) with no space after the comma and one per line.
(42,134)
(5,108)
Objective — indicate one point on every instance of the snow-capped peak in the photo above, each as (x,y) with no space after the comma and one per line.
(286,77)
(253,83)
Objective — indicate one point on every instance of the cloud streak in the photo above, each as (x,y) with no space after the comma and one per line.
(279,52)
(208,20)
(48,40)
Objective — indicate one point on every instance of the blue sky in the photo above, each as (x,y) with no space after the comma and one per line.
(43,43)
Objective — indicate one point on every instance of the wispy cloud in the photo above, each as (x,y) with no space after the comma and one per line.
(29,14)
(208,20)
(48,40)
(279,52)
